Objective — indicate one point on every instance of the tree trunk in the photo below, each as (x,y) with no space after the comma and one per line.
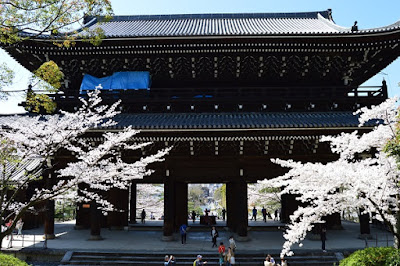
(396,229)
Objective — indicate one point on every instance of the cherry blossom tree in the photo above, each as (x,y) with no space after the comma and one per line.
(364,177)
(30,144)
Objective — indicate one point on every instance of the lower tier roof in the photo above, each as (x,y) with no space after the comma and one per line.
(177,121)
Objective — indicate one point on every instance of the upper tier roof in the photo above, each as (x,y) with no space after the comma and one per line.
(216,24)
(222,25)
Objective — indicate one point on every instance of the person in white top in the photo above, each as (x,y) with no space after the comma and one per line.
(267,262)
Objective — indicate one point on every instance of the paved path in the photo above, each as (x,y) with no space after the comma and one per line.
(197,242)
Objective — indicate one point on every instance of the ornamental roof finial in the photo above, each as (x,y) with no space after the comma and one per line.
(355,27)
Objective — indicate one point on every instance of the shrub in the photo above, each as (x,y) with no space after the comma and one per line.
(388,256)
(8,260)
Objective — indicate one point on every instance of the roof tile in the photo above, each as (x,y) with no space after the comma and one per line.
(237,120)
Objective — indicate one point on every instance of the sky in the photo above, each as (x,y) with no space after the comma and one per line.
(368,14)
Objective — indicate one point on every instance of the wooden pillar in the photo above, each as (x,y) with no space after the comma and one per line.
(82,219)
(230,207)
(169,209)
(289,205)
(49,220)
(119,218)
(241,208)
(181,204)
(132,209)
(95,227)
(236,203)
(365,230)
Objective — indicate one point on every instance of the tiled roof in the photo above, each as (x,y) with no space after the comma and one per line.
(236,120)
(217,24)
(267,120)
(24,169)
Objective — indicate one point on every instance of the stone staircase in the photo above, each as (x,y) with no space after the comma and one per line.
(157,258)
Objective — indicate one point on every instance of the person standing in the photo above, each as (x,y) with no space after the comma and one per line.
(264,213)
(214,235)
(182,230)
(283,262)
(221,252)
(323,238)
(143,216)
(271,259)
(8,225)
(166,260)
(172,260)
(232,244)
(230,257)
(267,261)
(19,226)
(199,261)
(193,216)
(254,214)
(223,214)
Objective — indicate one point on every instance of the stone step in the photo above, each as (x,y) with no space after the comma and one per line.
(118,258)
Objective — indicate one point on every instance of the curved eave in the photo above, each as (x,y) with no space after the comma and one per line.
(289,35)
(270,129)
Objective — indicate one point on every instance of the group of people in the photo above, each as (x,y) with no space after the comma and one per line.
(227,256)
(206,211)
(169,260)
(265,214)
(18,226)
(270,261)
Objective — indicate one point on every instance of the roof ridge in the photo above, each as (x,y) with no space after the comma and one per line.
(314,14)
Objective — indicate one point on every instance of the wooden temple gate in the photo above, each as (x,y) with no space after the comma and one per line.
(229,92)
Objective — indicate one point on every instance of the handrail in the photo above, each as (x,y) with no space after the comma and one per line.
(376,240)
(24,239)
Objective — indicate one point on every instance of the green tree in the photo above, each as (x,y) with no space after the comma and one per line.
(220,196)
(195,198)
(21,20)
(6,78)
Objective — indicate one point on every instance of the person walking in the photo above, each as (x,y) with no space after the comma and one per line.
(221,252)
(232,244)
(323,238)
(223,214)
(254,214)
(214,235)
(230,257)
(143,216)
(8,225)
(264,213)
(276,215)
(182,230)
(193,216)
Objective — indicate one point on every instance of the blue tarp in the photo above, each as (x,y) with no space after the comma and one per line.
(136,80)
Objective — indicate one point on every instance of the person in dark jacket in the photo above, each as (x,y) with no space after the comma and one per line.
(323,238)
(214,235)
